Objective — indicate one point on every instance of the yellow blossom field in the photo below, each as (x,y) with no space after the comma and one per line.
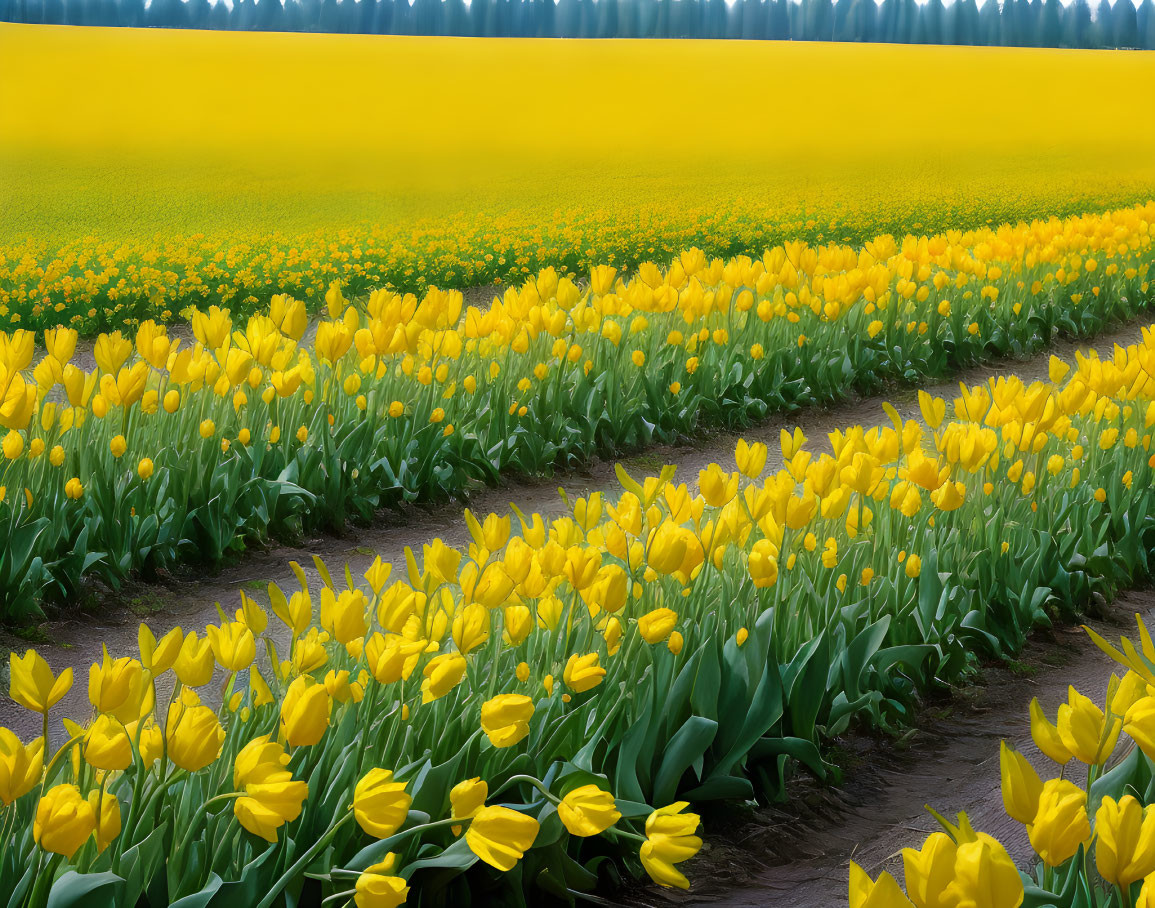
(288,161)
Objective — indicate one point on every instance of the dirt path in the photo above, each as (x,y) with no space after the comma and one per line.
(798,856)
(188,596)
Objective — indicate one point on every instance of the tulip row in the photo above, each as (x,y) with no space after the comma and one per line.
(166,450)
(1107,812)
(507,718)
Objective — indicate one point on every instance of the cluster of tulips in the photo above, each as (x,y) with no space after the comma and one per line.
(1098,804)
(72,265)
(262,427)
(562,690)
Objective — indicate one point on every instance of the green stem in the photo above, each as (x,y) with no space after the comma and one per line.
(302,862)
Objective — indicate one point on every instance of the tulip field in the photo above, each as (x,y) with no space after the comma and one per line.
(541,709)
(260,287)
(1103,809)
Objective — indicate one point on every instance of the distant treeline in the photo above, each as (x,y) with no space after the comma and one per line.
(1014,23)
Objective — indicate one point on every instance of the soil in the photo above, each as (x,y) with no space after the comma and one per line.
(951,759)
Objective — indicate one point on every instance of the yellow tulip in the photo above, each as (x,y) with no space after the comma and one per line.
(380,804)
(505,718)
(670,840)
(1124,840)
(442,674)
(1046,735)
(305,712)
(500,836)
(32,684)
(158,656)
(466,798)
(194,663)
(930,870)
(21,766)
(64,820)
(583,673)
(1061,825)
(657,625)
(750,458)
(376,887)
(588,810)
(1021,785)
(119,687)
(867,893)
(193,734)
(106,810)
(1085,731)
(232,644)
(107,745)
(985,875)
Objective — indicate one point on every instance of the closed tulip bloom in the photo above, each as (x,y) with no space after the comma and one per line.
(107,745)
(442,674)
(929,871)
(867,893)
(32,684)
(500,836)
(505,718)
(1047,737)
(343,616)
(1139,725)
(471,627)
(64,820)
(20,766)
(118,687)
(1146,897)
(1021,785)
(588,810)
(377,888)
(194,735)
(233,645)
(583,673)
(1124,840)
(158,656)
(670,840)
(380,804)
(762,563)
(657,625)
(106,810)
(717,486)
(466,798)
(305,712)
(750,458)
(1084,731)
(194,663)
(984,877)
(1062,824)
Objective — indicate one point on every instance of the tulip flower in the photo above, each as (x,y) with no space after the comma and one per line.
(193,734)
(505,718)
(985,875)
(380,804)
(583,673)
(64,820)
(1124,840)
(20,766)
(442,674)
(588,810)
(466,798)
(233,645)
(500,836)
(1061,825)
(1047,737)
(867,893)
(657,625)
(107,745)
(119,687)
(670,840)
(158,656)
(194,663)
(377,888)
(305,712)
(1021,785)
(106,810)
(1085,731)
(32,684)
